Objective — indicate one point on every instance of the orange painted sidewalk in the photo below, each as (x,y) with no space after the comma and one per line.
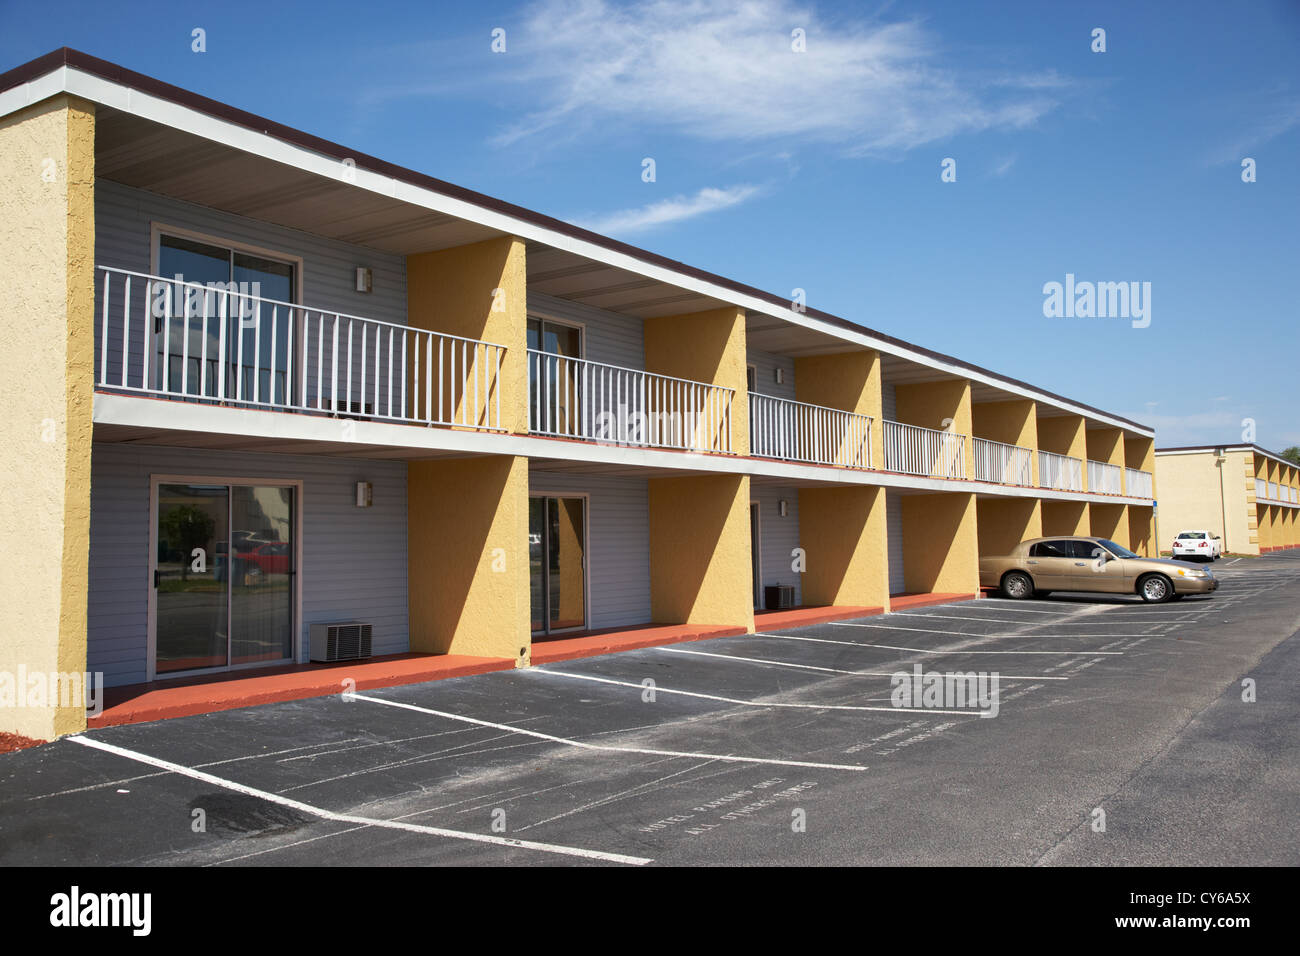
(800,616)
(611,640)
(184,697)
(901,602)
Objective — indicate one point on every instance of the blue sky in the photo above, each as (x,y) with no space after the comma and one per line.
(821,170)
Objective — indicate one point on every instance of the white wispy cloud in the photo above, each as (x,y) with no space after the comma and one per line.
(726,72)
(1271,114)
(665,211)
(1004,167)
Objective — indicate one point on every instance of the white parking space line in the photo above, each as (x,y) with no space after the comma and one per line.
(330,815)
(922,630)
(951,652)
(610,748)
(659,689)
(825,670)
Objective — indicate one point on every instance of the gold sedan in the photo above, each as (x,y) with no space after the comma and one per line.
(1041,565)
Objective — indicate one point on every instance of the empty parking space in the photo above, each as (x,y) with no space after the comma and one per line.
(710,752)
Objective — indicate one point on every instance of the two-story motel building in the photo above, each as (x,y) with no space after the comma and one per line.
(255,382)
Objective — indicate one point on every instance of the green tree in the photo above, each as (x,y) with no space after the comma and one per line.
(187,527)
(1292,454)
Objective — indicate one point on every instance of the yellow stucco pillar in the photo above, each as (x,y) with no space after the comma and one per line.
(478,291)
(1065,518)
(1140,453)
(1012,423)
(700,561)
(47,297)
(940,544)
(706,347)
(1109,521)
(467,543)
(944,405)
(849,381)
(1004,522)
(1141,531)
(843,534)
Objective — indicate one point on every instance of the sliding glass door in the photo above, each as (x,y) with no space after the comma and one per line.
(223,576)
(558,564)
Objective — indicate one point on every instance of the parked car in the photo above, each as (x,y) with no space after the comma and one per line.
(1042,565)
(1203,545)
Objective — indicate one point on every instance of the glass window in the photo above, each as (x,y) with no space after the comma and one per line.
(1051,549)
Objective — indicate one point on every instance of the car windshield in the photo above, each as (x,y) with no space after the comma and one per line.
(1116,550)
(1192,534)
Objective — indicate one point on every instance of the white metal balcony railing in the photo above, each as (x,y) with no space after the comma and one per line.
(215,345)
(1104,478)
(1003,464)
(914,450)
(1059,472)
(797,431)
(592,401)
(1137,484)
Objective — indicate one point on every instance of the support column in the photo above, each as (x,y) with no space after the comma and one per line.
(478,291)
(467,544)
(940,544)
(849,381)
(843,534)
(1012,423)
(1002,523)
(701,570)
(1141,532)
(706,347)
(47,359)
(944,405)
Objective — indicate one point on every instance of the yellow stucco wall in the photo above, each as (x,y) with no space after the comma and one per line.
(1004,522)
(1012,423)
(1109,521)
(705,347)
(1106,444)
(1189,496)
(478,291)
(1063,435)
(1065,517)
(467,545)
(1141,531)
(930,404)
(843,534)
(47,238)
(940,544)
(849,381)
(700,567)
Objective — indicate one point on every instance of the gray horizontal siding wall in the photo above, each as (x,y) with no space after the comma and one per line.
(777,536)
(124,217)
(606,337)
(618,546)
(894,529)
(354,559)
(765,365)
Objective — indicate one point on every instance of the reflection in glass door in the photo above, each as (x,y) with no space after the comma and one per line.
(557,563)
(223,576)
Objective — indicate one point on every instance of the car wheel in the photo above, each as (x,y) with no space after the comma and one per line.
(1155,588)
(1017,585)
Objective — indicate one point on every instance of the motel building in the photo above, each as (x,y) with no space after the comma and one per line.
(1249,497)
(258,384)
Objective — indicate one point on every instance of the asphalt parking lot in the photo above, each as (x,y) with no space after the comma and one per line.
(777,748)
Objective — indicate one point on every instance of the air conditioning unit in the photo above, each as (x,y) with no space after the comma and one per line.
(779,597)
(344,641)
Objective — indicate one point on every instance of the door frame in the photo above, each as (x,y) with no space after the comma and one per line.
(295,603)
(756,549)
(586,564)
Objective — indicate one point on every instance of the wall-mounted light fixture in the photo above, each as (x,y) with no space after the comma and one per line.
(365,279)
(783,507)
(365,494)
(780,376)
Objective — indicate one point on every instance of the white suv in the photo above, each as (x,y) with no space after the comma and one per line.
(1197,544)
